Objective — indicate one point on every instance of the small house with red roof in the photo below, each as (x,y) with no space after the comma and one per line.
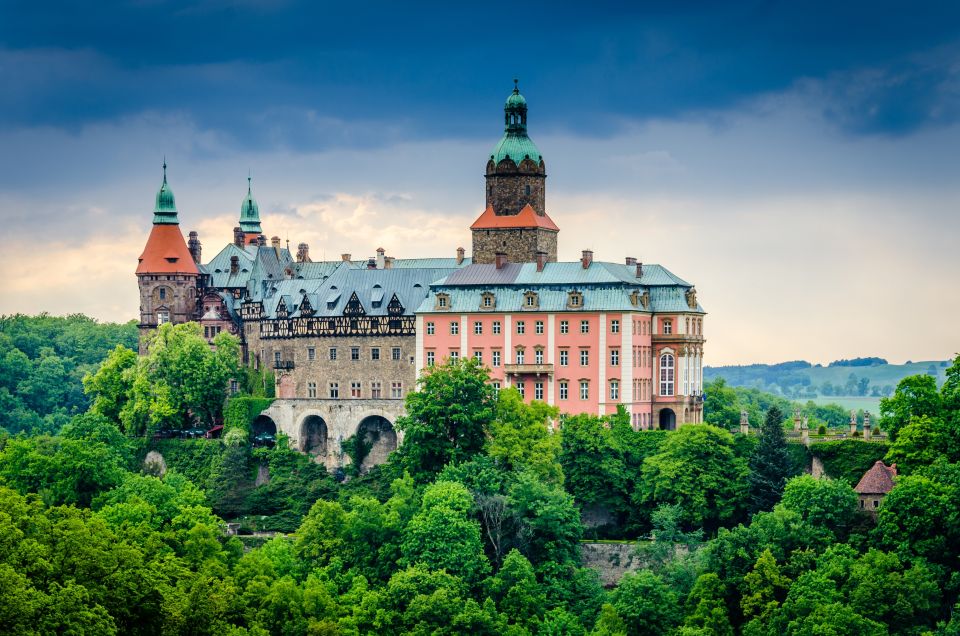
(875,484)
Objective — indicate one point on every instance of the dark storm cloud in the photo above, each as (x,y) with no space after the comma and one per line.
(317,75)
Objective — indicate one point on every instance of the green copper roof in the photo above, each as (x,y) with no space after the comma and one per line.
(250,212)
(165,210)
(515,142)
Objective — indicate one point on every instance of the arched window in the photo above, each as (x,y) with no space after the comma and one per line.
(666,374)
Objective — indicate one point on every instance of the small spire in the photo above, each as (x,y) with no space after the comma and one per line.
(249,184)
(516,86)
(164,169)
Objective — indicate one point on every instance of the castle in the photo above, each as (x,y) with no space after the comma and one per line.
(347,339)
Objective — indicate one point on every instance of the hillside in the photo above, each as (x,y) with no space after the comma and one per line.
(858,383)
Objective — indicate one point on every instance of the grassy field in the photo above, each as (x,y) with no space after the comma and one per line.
(871,404)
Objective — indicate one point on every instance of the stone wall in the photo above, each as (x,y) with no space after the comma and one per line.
(507,193)
(519,244)
(610,560)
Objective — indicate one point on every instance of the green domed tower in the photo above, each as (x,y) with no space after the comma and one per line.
(165,209)
(250,217)
(516,174)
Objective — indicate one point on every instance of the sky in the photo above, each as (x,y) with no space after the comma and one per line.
(797,161)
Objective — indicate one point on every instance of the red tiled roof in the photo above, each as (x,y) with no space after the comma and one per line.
(878,480)
(166,252)
(527,218)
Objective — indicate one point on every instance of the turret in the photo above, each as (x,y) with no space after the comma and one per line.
(250,216)
(167,272)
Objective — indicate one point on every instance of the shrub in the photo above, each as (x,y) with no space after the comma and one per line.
(848,459)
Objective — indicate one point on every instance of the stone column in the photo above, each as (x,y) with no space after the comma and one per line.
(853,422)
(744,423)
(866,425)
(805,433)
(796,418)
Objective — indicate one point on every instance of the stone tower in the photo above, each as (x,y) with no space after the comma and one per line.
(515,220)
(166,273)
(250,217)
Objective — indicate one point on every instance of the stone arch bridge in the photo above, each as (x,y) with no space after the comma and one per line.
(318,427)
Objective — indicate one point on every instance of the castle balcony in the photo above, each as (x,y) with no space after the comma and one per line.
(528,369)
(283,365)
(677,338)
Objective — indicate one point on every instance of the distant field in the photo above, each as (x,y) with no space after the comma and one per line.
(871,404)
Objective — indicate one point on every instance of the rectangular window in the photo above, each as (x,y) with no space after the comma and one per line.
(478,356)
(522,388)
(496,385)
(395,353)
(334,390)
(354,353)
(478,328)
(311,389)
(584,390)
(454,355)
(667,326)
(376,392)
(538,356)
(355,391)
(584,326)
(538,326)
(584,357)
(496,327)
(531,301)
(564,389)
(519,356)
(454,328)
(564,357)
(564,326)
(333,353)
(396,390)
(496,358)
(430,328)
(276,357)
(614,326)
(614,357)
(375,353)
(521,328)
(614,390)
(431,358)
(311,354)
(538,390)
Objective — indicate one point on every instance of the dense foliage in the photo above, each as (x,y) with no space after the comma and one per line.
(42,362)
(478,532)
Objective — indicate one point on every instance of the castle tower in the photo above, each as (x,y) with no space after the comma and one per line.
(250,217)
(515,220)
(167,273)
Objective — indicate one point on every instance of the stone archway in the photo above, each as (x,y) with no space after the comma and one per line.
(314,436)
(377,432)
(263,425)
(667,420)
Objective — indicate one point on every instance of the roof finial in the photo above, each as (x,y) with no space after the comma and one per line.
(249,180)
(164,169)
(516,86)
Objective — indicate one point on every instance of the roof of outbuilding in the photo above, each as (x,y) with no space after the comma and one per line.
(879,480)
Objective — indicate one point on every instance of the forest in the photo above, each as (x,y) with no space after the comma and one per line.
(475,522)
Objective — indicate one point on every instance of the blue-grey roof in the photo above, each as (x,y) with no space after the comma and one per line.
(569,273)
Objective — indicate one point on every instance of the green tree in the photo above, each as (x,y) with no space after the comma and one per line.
(919,517)
(593,468)
(109,387)
(721,407)
(448,419)
(823,503)
(706,607)
(764,588)
(521,438)
(915,396)
(516,591)
(698,470)
(769,464)
(443,536)
(646,604)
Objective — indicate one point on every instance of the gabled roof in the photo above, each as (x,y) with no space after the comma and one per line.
(166,252)
(527,218)
(879,480)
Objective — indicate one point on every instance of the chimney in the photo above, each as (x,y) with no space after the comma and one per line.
(238,236)
(381,258)
(500,259)
(631,261)
(541,260)
(275,242)
(344,257)
(639,269)
(586,258)
(194,246)
(371,263)
(303,253)
(262,240)
(460,253)
(388,262)
(234,264)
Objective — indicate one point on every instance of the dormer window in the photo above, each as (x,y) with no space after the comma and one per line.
(488,301)
(531,300)
(443,301)
(692,298)
(574,300)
